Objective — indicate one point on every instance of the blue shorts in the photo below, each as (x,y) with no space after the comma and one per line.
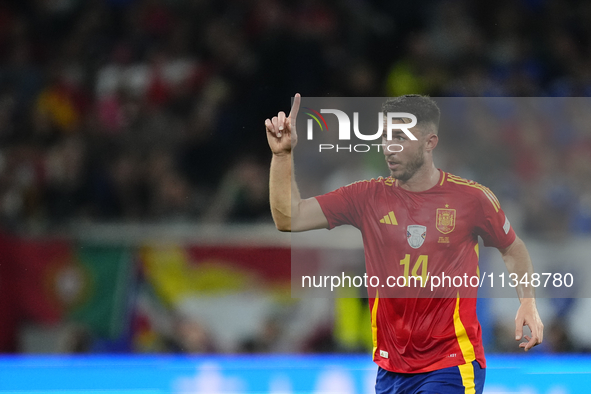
(463,379)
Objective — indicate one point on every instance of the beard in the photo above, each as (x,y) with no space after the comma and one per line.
(411,168)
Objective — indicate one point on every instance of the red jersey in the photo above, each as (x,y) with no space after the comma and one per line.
(415,233)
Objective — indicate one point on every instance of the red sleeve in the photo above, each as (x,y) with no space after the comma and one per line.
(342,205)
(493,226)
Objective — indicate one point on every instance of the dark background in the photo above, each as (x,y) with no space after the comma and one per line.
(151,112)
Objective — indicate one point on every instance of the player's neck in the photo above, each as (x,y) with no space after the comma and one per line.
(424,179)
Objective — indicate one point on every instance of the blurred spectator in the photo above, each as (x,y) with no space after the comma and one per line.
(268,339)
(242,195)
(76,340)
(191,337)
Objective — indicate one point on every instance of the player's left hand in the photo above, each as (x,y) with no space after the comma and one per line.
(527,315)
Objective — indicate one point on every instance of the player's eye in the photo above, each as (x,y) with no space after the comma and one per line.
(396,137)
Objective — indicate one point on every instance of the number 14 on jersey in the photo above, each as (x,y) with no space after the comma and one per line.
(420,264)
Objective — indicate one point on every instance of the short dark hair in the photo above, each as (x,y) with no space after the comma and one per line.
(423,107)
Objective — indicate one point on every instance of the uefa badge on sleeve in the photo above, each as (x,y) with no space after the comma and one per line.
(415,235)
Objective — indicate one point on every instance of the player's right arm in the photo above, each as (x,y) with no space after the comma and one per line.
(290,212)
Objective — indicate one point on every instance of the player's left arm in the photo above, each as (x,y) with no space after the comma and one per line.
(517,260)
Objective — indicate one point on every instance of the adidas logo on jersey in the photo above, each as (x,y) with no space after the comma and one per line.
(389,219)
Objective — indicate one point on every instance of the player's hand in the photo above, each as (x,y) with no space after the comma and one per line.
(527,315)
(281,131)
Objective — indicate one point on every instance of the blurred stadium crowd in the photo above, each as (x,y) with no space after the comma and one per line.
(152,110)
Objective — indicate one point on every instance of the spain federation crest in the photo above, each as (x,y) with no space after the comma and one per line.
(446,220)
(415,235)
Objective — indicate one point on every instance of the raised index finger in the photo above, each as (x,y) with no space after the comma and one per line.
(295,107)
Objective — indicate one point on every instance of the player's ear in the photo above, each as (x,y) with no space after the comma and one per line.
(431,141)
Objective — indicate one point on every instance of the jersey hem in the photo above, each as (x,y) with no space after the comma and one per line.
(429,368)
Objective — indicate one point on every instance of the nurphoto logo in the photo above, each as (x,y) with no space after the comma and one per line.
(345,129)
